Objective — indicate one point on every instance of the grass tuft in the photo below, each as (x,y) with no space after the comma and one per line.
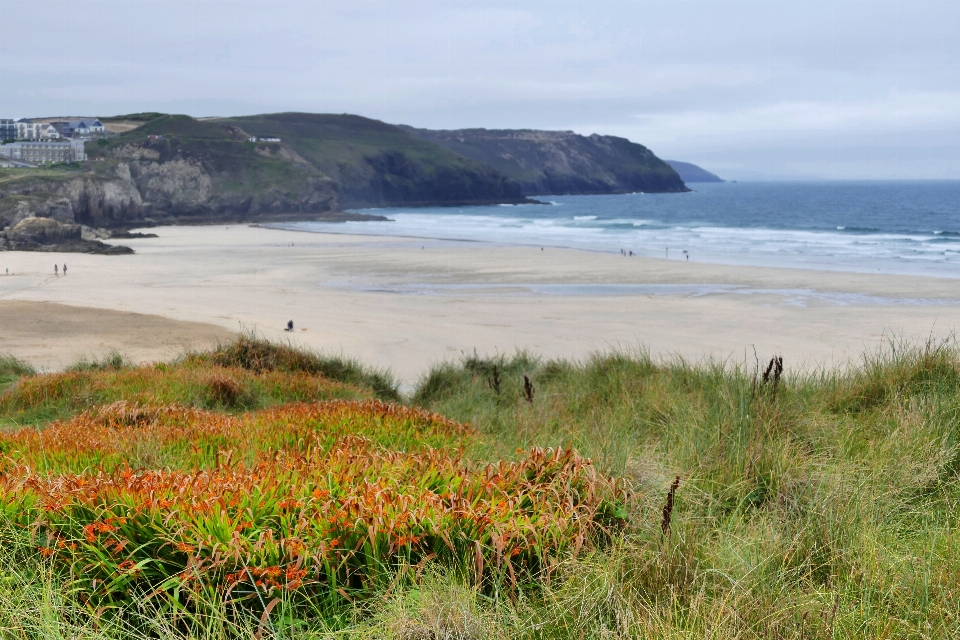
(259,355)
(12,369)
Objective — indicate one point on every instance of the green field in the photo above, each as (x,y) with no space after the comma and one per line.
(260,491)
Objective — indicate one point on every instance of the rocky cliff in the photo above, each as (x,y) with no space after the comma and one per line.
(180,170)
(165,169)
(561,162)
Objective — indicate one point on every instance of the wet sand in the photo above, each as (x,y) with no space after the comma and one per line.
(405,303)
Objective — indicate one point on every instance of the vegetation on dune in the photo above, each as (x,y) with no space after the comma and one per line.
(11,369)
(259,355)
(526,499)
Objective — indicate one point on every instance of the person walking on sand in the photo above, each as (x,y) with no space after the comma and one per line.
(56,271)
(64,268)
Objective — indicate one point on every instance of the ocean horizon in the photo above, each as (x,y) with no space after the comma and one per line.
(894,227)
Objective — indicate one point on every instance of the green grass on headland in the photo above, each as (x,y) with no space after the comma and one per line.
(819,505)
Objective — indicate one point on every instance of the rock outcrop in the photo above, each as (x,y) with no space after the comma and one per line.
(46,234)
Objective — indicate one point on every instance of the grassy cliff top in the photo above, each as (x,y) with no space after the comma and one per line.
(332,141)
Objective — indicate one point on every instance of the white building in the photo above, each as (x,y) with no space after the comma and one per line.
(27,130)
(40,152)
(31,129)
(77,128)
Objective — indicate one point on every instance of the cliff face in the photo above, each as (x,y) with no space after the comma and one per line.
(562,162)
(376,164)
(176,169)
(173,179)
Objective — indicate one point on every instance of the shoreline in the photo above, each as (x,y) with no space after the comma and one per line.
(390,303)
(791,262)
(708,263)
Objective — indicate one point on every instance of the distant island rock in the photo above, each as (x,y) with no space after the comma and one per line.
(562,162)
(692,173)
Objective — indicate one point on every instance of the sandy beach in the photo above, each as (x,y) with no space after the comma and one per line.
(406,303)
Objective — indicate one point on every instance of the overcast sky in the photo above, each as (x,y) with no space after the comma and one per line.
(838,89)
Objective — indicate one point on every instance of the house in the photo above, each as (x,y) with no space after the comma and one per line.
(77,128)
(256,139)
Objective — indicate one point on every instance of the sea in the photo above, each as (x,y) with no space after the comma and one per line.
(866,227)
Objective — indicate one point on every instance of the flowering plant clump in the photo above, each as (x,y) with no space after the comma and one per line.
(152,492)
(111,435)
(334,520)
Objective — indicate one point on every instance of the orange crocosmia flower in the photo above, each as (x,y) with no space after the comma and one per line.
(128,566)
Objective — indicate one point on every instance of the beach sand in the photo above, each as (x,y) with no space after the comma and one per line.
(406,303)
(52,336)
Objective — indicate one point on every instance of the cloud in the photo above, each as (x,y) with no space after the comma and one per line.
(707,77)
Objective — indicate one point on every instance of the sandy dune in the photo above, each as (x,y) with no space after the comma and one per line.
(405,303)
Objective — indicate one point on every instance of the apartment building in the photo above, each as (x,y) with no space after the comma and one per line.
(29,130)
(41,152)
(8,129)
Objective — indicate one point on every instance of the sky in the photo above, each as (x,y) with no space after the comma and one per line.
(775,89)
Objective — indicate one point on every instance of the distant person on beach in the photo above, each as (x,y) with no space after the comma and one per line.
(64,268)
(56,271)
(289,326)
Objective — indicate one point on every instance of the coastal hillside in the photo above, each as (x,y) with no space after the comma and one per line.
(171,169)
(375,164)
(562,162)
(690,172)
(153,168)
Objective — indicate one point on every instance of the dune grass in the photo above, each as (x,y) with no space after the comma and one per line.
(12,369)
(821,504)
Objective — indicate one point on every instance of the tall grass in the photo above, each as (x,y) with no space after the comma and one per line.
(256,354)
(11,369)
(827,506)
